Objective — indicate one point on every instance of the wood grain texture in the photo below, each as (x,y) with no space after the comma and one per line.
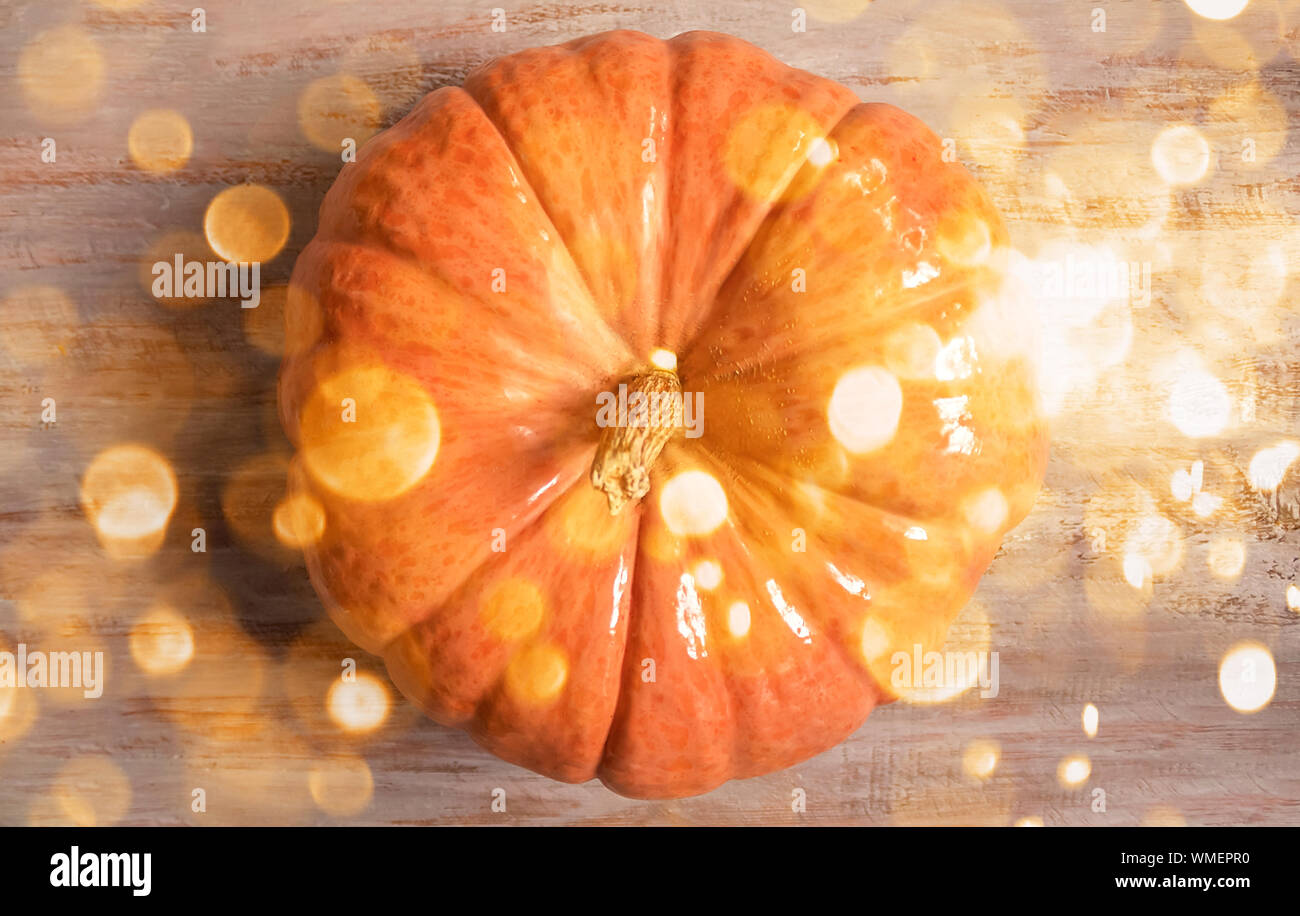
(1057,120)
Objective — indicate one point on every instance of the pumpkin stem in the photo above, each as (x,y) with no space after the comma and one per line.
(648,410)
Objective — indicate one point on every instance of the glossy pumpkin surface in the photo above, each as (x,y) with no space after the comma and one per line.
(831,289)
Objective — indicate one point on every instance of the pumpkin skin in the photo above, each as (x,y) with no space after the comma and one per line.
(513,248)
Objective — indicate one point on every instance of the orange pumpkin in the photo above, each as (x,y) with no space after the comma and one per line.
(663,606)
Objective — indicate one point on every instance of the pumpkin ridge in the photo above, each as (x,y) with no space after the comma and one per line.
(730,459)
(571,48)
(948,282)
(764,484)
(633,552)
(742,760)
(621,703)
(332,232)
(769,206)
(329,233)
(813,609)
(762,360)
(541,509)
(437,285)
(632,611)
(857,670)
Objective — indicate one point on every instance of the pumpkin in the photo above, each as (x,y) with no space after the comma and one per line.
(817,299)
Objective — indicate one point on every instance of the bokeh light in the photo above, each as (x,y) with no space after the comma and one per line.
(18,708)
(1074,771)
(663,359)
(912,351)
(91,792)
(1247,677)
(160,140)
(513,609)
(865,408)
(298,520)
(338,108)
(1216,9)
(1180,155)
(987,510)
(191,247)
(766,146)
(61,72)
(162,641)
(738,619)
(693,504)
(1199,404)
(1153,547)
(341,786)
(581,521)
(1090,717)
(537,674)
(1227,556)
(980,759)
(358,705)
(247,223)
(128,495)
(969,638)
(369,433)
(1248,112)
(707,574)
(1269,466)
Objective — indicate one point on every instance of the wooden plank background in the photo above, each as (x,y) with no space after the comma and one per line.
(1055,115)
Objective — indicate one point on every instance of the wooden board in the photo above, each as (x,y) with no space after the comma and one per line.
(1056,116)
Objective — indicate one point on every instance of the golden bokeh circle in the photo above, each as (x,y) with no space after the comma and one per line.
(1218,10)
(162,641)
(341,786)
(160,140)
(369,433)
(264,325)
(513,609)
(247,223)
(191,247)
(92,792)
(61,71)
(1247,677)
(336,108)
(128,494)
(298,520)
(358,705)
(537,674)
